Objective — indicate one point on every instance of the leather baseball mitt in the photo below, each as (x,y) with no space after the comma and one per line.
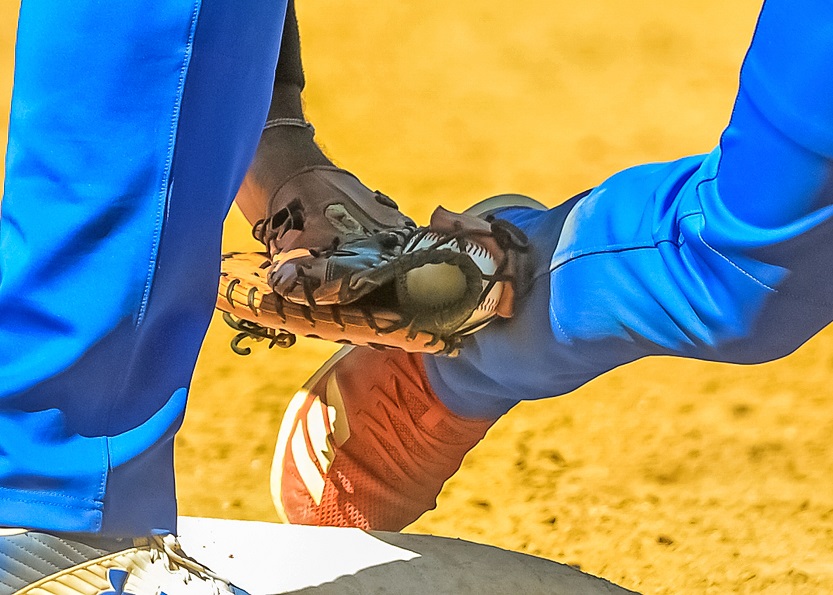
(344,265)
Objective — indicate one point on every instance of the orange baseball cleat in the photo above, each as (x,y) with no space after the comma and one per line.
(366,443)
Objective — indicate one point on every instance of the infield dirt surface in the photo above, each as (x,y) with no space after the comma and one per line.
(665,476)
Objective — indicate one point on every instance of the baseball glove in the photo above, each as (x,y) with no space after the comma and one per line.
(347,266)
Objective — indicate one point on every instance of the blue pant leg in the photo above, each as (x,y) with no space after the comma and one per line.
(132,125)
(722,257)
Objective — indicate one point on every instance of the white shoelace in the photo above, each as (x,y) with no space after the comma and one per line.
(167,548)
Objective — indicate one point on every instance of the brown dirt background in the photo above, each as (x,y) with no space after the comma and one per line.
(666,476)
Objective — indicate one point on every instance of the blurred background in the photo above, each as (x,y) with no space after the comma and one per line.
(665,476)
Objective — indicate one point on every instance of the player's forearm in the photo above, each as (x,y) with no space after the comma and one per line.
(285,146)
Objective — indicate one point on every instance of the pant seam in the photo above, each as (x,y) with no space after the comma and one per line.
(165,190)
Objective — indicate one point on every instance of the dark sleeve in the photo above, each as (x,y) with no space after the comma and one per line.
(289,70)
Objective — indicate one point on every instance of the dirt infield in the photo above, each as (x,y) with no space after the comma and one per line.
(665,476)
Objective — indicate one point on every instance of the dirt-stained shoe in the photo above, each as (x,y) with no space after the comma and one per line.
(366,443)
(34,563)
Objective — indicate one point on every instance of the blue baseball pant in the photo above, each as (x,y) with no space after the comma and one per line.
(132,126)
(723,257)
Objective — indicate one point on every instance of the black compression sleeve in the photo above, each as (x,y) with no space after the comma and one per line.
(286,149)
(289,70)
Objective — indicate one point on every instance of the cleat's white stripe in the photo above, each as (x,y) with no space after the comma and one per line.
(337,411)
(318,435)
(309,473)
(287,426)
